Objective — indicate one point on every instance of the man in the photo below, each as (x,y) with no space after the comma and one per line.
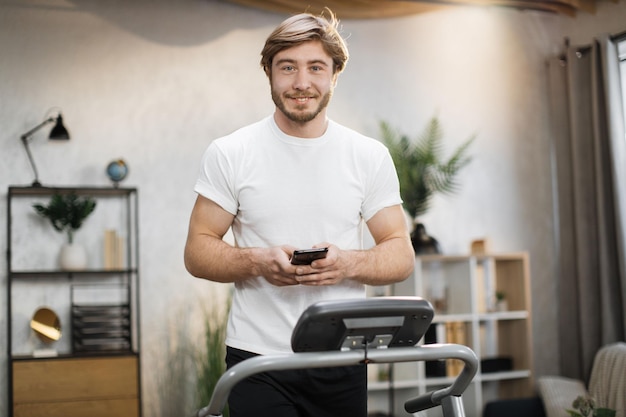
(296,180)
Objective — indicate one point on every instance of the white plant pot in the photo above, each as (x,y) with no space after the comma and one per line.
(73,257)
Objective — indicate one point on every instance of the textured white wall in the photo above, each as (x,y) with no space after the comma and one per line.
(154,81)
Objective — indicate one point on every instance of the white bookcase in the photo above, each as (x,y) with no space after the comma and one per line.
(462,289)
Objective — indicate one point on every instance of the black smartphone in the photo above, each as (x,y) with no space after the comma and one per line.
(306,256)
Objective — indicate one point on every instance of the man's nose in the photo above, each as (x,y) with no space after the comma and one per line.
(301,81)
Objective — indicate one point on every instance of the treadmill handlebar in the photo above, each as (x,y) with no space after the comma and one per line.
(423,402)
(264,363)
(458,386)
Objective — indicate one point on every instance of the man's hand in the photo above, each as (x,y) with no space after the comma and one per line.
(276,268)
(327,271)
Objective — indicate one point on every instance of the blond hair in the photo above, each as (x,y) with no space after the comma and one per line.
(302,28)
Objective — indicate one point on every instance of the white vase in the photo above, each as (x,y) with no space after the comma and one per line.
(73,257)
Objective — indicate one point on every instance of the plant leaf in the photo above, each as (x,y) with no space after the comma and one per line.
(422,169)
(66,212)
(604,412)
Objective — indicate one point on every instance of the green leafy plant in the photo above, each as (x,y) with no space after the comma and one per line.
(211,361)
(585,406)
(67,212)
(422,169)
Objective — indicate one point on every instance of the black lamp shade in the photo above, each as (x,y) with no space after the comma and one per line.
(59,132)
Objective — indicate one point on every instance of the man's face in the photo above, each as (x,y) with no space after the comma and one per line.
(302,81)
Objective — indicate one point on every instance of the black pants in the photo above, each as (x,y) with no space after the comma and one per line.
(319,392)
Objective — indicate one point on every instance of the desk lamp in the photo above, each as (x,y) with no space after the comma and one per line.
(58,132)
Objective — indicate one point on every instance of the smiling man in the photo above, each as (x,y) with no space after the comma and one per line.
(296,180)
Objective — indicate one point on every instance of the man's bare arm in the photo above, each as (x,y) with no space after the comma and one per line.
(208,256)
(392,259)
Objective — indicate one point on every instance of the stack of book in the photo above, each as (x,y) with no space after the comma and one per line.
(101,328)
(113,250)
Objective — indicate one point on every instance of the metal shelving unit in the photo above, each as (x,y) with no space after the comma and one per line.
(38,277)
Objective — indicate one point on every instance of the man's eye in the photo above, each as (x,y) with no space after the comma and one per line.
(316,68)
(288,68)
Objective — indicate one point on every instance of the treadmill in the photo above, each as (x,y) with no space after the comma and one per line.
(360,331)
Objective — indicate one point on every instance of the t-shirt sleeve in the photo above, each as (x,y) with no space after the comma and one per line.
(215,179)
(383,187)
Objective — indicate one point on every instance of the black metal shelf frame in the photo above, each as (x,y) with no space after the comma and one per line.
(130,272)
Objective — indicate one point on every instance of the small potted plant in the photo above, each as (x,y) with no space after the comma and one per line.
(585,406)
(501,303)
(66,213)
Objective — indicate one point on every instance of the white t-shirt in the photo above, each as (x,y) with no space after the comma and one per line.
(285,190)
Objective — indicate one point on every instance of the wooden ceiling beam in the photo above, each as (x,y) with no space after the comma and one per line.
(372,9)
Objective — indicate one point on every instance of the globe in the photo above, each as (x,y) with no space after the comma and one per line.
(117,171)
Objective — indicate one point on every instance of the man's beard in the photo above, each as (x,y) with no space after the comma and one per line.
(296,116)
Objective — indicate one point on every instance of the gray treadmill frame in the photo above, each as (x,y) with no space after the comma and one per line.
(449,397)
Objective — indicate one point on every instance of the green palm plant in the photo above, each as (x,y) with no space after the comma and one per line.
(422,169)
(66,212)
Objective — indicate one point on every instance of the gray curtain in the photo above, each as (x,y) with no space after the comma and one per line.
(589,172)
